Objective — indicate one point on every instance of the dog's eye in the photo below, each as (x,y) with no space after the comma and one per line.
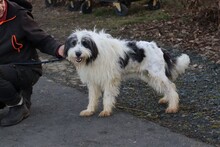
(73,42)
(85,44)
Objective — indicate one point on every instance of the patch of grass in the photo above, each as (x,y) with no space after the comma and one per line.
(103,12)
(107,17)
(172,4)
(216,125)
(213,97)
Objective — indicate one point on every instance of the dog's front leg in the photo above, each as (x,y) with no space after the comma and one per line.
(94,94)
(110,92)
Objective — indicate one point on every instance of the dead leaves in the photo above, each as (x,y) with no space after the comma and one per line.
(181,32)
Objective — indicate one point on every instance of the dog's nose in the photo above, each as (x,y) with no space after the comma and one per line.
(78,54)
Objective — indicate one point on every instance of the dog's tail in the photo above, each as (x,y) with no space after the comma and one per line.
(176,67)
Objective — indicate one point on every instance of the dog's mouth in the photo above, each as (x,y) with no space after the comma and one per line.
(78,59)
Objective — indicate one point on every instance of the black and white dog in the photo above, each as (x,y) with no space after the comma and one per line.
(102,61)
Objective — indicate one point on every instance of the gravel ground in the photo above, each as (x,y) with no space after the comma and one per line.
(199,87)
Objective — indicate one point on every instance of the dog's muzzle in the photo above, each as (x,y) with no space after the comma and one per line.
(78,56)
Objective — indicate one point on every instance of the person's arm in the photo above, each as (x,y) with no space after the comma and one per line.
(39,38)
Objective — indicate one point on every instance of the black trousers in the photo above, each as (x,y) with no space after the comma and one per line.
(13,79)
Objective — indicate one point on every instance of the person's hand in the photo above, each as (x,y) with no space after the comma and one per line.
(61,51)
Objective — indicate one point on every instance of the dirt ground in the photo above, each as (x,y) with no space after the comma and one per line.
(199,88)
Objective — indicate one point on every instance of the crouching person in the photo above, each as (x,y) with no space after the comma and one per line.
(20,36)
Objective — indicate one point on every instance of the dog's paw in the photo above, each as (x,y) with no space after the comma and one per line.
(172,110)
(163,101)
(86,113)
(104,114)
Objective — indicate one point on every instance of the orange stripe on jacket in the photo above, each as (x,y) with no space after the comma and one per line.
(17,46)
(4,21)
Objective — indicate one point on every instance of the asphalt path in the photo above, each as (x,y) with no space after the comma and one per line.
(55,122)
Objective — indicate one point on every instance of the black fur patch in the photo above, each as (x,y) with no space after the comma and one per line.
(88,43)
(70,42)
(170,63)
(124,61)
(137,54)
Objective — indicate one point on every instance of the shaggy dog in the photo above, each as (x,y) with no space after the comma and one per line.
(103,61)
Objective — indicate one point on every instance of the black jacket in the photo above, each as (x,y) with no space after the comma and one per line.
(20,35)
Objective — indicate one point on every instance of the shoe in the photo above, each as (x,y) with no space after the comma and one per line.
(15,115)
(26,94)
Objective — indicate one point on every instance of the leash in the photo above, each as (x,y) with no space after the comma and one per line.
(39,62)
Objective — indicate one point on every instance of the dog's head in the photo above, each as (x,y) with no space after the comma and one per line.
(80,48)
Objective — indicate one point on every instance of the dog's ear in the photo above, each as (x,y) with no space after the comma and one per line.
(90,44)
(70,42)
(137,54)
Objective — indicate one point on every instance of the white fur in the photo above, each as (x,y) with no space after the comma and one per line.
(104,75)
